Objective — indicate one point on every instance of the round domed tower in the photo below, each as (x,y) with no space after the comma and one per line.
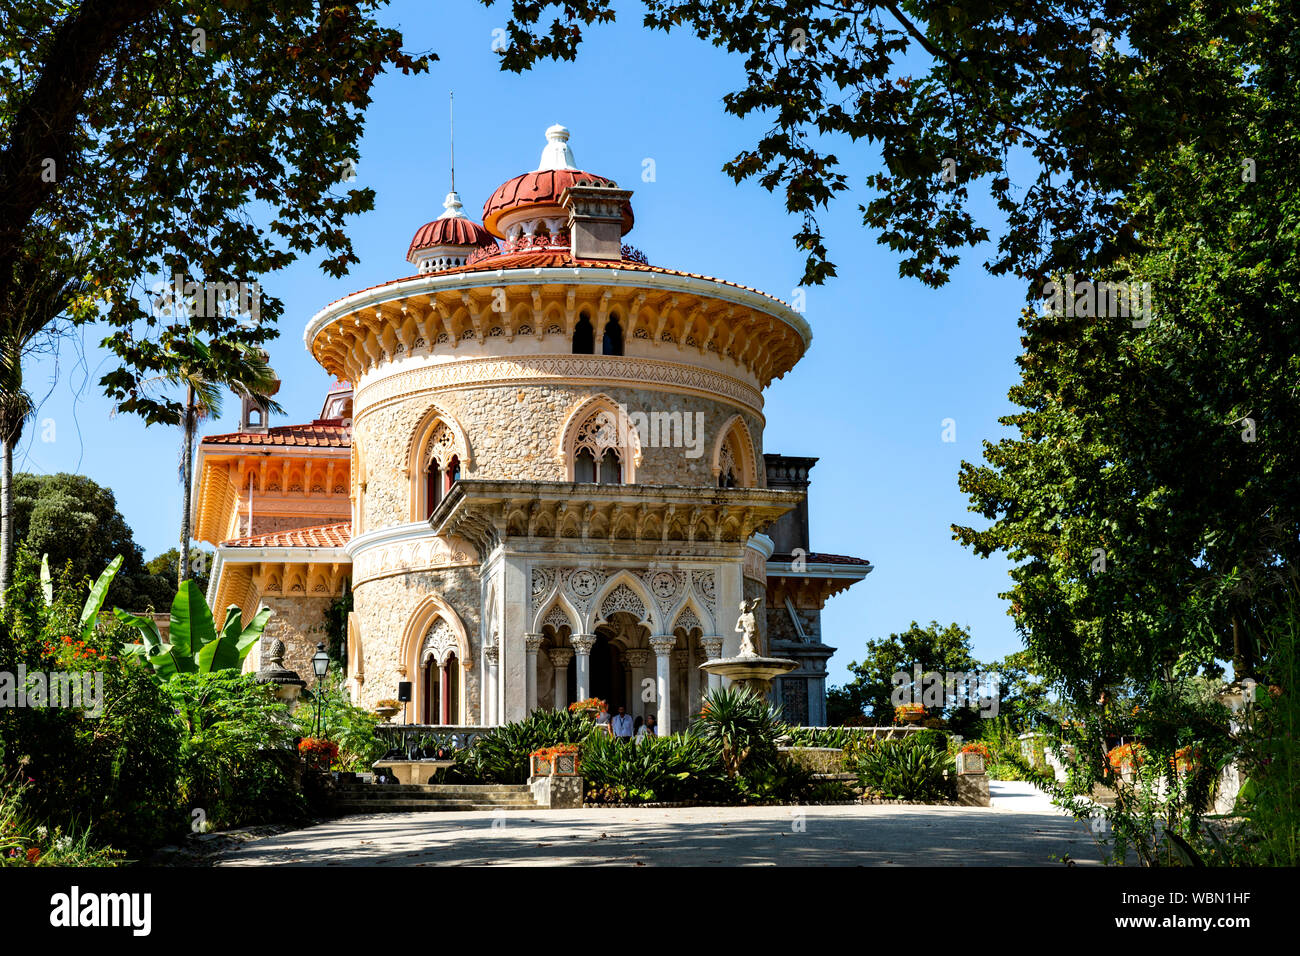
(558,485)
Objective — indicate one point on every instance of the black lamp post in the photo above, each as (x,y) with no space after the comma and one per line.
(320,665)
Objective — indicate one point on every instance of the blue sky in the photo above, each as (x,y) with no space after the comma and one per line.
(890,359)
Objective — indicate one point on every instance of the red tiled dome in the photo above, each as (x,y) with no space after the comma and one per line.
(450,231)
(542,187)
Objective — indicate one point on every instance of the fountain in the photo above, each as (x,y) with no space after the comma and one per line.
(749,669)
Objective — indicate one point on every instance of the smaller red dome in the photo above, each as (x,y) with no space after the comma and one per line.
(452,228)
(542,187)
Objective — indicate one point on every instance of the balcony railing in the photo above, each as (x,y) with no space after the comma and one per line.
(429,738)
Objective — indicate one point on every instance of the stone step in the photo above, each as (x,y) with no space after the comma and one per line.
(406,806)
(502,798)
(436,788)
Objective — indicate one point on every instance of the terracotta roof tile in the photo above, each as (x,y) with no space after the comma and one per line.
(322,433)
(320,536)
(820,557)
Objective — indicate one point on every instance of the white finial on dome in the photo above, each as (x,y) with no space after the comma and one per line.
(453,207)
(556,154)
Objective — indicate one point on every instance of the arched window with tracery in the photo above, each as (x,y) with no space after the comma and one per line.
(734,465)
(727,467)
(598,450)
(441,467)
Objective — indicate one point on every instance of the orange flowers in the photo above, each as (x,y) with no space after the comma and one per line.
(908,712)
(1125,755)
(592,704)
(549,753)
(980,749)
(320,754)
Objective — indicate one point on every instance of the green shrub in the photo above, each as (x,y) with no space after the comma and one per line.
(783,781)
(908,770)
(24,842)
(349,726)
(234,728)
(113,776)
(671,768)
(501,754)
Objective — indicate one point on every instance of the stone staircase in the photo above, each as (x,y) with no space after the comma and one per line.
(407,798)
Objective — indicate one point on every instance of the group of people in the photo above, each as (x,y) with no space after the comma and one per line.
(624,727)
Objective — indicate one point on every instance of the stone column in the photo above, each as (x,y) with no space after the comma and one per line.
(532,642)
(444,695)
(560,657)
(692,677)
(582,644)
(712,645)
(492,656)
(663,647)
(635,661)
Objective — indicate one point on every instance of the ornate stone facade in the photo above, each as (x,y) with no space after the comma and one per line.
(553,464)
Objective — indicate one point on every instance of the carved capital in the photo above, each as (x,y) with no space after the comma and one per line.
(533,641)
(635,658)
(582,643)
(712,645)
(560,656)
(663,644)
(492,654)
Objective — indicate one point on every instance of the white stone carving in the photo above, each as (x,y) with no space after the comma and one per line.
(623,598)
(439,643)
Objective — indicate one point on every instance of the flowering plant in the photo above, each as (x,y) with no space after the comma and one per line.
(592,705)
(388,704)
(547,753)
(980,749)
(907,712)
(1125,755)
(71,654)
(320,754)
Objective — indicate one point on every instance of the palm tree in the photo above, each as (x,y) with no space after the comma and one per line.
(48,284)
(192,364)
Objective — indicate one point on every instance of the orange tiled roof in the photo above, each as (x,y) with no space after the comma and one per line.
(320,536)
(322,433)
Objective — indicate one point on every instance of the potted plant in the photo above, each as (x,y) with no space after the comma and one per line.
(1125,759)
(318,753)
(973,758)
(560,761)
(387,708)
(909,714)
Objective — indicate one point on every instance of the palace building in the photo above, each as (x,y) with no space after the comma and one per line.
(541,476)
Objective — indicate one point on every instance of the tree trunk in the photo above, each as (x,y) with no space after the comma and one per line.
(187,465)
(6,520)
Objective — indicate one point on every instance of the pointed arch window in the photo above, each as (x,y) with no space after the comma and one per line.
(597,452)
(584,336)
(441,467)
(612,342)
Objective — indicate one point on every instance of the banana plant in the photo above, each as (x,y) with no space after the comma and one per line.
(195,646)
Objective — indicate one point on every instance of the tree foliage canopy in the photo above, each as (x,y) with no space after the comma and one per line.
(211,139)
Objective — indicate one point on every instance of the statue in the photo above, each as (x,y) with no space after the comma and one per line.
(747,626)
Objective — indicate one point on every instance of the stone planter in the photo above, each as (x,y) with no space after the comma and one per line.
(970,763)
(388,713)
(561,765)
(541,766)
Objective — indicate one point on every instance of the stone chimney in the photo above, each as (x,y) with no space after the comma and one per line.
(595,220)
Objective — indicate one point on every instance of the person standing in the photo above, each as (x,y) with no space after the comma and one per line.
(622,724)
(648,728)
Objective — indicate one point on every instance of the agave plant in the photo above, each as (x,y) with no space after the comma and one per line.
(195,646)
(743,725)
